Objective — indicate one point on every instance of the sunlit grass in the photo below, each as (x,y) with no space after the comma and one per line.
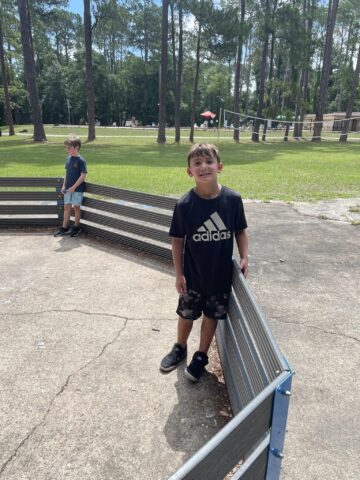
(132,159)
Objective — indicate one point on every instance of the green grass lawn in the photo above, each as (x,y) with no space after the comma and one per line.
(132,159)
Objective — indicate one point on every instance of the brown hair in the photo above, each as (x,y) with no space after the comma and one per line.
(73,141)
(206,150)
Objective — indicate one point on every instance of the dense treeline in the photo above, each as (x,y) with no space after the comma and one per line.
(258,57)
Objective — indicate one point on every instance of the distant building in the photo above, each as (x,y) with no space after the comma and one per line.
(333,122)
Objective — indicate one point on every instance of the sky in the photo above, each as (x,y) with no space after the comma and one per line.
(76,6)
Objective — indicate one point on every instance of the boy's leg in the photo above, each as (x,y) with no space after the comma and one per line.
(77,201)
(65,229)
(67,213)
(207,332)
(77,210)
(200,359)
(184,329)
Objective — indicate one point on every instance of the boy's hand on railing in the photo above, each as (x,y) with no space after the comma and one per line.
(180,284)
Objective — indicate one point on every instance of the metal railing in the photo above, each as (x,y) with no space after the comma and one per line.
(34,201)
(258,377)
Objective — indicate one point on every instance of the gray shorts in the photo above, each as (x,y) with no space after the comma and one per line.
(192,304)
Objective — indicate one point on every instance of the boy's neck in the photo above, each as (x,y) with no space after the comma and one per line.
(208,191)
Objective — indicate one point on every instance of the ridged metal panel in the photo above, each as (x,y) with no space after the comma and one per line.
(228,370)
(263,339)
(30,181)
(130,242)
(257,374)
(127,211)
(234,442)
(28,209)
(28,222)
(30,196)
(254,468)
(242,383)
(141,230)
(131,196)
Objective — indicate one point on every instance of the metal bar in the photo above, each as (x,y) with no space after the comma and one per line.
(250,354)
(255,328)
(234,441)
(228,370)
(131,196)
(242,384)
(151,248)
(60,203)
(28,209)
(28,196)
(27,222)
(254,468)
(127,211)
(278,427)
(240,283)
(136,229)
(30,181)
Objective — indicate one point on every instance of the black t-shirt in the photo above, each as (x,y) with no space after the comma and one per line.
(74,167)
(208,226)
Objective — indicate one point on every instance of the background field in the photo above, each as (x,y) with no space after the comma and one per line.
(132,159)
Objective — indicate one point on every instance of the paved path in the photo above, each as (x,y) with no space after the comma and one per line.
(83,326)
(305,273)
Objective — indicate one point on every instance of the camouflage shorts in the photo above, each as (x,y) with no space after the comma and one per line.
(192,304)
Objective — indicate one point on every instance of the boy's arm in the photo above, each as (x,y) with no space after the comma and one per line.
(78,182)
(177,253)
(63,188)
(243,245)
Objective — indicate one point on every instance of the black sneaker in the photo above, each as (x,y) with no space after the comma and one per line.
(177,354)
(62,231)
(197,366)
(75,231)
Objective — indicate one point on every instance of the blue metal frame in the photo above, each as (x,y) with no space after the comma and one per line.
(278,427)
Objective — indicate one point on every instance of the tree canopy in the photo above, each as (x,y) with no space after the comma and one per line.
(251,56)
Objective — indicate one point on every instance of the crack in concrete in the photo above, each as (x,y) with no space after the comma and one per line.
(104,314)
(305,324)
(57,395)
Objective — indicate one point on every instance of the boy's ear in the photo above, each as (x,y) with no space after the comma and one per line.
(220,167)
(189,172)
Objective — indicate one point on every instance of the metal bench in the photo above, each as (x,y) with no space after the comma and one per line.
(258,377)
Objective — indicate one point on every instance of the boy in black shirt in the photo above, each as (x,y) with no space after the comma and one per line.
(204,223)
(73,186)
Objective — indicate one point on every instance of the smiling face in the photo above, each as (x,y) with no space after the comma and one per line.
(204,169)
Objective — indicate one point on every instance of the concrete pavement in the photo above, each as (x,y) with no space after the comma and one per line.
(83,326)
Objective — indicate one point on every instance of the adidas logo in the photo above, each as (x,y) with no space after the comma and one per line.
(213,230)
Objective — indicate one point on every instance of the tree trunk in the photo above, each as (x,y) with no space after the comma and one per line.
(271,68)
(322,100)
(177,68)
(163,72)
(8,113)
(236,135)
(30,72)
(89,71)
(350,105)
(259,111)
(196,84)
(286,134)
